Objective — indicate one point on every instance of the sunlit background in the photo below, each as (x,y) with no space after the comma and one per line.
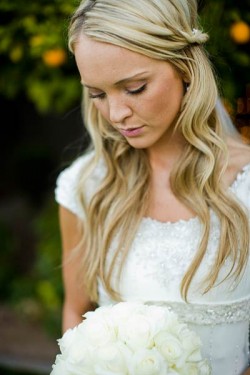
(41,133)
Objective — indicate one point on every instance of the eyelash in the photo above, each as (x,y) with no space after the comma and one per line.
(132,92)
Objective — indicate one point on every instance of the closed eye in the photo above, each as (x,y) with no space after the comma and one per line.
(137,91)
(97,96)
(102,95)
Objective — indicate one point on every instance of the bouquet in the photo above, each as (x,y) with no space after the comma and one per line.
(130,339)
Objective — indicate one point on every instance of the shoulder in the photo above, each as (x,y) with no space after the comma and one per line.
(71,172)
(69,179)
(238,171)
(239,160)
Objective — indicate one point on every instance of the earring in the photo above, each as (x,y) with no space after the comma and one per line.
(187,86)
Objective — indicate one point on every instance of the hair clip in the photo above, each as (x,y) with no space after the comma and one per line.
(198,37)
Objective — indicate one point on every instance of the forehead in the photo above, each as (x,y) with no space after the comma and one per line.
(99,61)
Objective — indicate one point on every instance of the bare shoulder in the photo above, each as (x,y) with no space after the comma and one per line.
(239,157)
(239,153)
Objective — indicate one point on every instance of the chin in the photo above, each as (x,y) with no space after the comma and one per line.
(138,144)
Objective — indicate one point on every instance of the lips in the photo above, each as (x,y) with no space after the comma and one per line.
(132,132)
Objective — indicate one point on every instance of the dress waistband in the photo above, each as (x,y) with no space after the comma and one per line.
(209,314)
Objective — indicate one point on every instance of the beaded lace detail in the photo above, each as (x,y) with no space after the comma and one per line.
(165,250)
(240,177)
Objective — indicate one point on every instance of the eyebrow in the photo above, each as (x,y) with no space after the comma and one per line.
(124,80)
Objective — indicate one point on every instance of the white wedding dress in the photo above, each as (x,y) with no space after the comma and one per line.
(158,258)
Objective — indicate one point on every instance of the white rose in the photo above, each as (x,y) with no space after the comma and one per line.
(80,352)
(168,321)
(62,366)
(192,345)
(98,329)
(123,310)
(176,327)
(112,359)
(160,317)
(137,331)
(148,362)
(171,348)
(196,368)
(190,369)
(78,369)
(204,368)
(66,340)
(76,351)
(59,367)
(99,311)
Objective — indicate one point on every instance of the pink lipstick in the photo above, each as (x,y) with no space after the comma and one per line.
(132,132)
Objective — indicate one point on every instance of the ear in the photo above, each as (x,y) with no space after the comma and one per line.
(186,80)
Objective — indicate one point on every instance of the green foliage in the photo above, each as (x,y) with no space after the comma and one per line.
(29,32)
(8,246)
(35,58)
(48,288)
(38,294)
(231,58)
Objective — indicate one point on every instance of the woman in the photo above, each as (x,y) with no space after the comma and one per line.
(157,210)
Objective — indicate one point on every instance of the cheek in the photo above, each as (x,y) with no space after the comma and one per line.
(166,101)
(102,108)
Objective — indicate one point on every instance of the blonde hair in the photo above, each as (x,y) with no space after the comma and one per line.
(166,30)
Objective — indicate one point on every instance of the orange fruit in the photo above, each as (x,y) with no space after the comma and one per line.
(240,32)
(54,57)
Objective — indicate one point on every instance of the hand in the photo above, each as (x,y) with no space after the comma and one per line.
(246,372)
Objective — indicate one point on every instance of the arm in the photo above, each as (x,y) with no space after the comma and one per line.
(76,300)
(247,371)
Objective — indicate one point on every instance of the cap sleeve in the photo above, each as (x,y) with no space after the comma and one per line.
(67,184)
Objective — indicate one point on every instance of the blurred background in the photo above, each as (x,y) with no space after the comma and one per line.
(41,133)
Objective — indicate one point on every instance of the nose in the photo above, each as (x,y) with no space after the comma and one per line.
(119,110)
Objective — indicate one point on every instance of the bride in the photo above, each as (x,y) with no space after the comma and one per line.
(157,209)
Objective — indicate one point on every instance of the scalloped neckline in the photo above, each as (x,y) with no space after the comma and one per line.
(239,177)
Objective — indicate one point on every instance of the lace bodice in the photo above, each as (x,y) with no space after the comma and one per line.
(159,256)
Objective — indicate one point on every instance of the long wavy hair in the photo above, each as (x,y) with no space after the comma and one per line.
(165,30)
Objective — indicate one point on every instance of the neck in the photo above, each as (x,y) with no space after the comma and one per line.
(165,155)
